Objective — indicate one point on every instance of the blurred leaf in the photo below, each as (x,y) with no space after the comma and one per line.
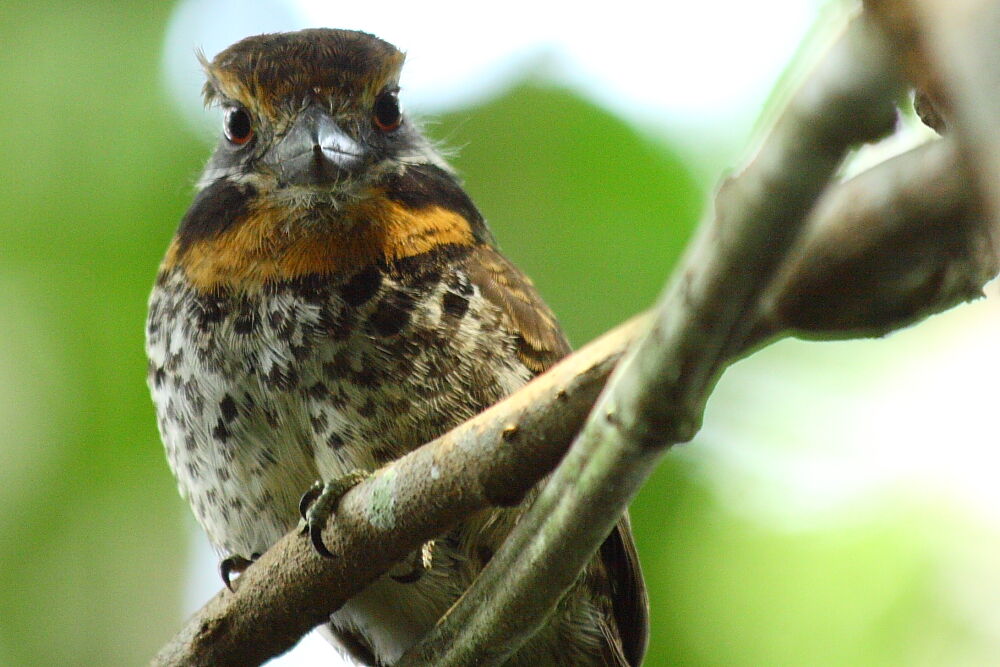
(727,590)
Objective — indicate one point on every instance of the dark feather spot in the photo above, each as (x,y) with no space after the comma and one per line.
(276,319)
(311,288)
(174,360)
(318,391)
(424,279)
(220,432)
(158,377)
(455,305)
(228,408)
(339,367)
(419,270)
(318,422)
(337,324)
(383,454)
(338,398)
(461,284)
(281,378)
(335,441)
(207,310)
(391,314)
(403,366)
(366,377)
(245,323)
(361,287)
(368,408)
(400,406)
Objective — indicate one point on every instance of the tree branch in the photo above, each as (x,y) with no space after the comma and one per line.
(915,205)
(656,395)
(952,53)
(884,250)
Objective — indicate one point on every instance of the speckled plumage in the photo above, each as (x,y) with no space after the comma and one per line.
(305,326)
(346,375)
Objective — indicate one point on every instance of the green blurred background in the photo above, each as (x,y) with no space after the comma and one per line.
(96,546)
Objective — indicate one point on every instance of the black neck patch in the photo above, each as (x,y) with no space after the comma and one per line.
(424,185)
(216,208)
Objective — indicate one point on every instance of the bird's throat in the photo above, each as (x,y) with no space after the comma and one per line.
(263,246)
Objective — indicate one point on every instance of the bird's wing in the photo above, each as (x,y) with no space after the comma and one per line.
(541,343)
(629,600)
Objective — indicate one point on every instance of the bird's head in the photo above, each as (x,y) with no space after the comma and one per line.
(311,116)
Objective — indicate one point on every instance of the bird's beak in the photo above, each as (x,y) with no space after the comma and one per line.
(315,150)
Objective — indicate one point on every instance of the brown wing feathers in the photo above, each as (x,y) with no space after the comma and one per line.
(541,342)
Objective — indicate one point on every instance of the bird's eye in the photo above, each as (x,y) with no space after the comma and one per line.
(386,114)
(238,126)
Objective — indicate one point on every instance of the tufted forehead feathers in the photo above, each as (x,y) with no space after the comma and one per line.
(270,72)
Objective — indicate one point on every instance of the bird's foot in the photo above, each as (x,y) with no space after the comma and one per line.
(422,561)
(320,502)
(234,565)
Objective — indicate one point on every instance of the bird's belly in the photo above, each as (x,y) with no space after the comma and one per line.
(259,396)
(237,446)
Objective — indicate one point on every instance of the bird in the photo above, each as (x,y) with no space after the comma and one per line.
(331,300)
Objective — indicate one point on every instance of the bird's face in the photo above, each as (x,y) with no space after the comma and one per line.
(311,118)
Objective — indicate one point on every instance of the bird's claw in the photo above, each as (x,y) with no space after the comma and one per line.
(320,502)
(308,498)
(234,565)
